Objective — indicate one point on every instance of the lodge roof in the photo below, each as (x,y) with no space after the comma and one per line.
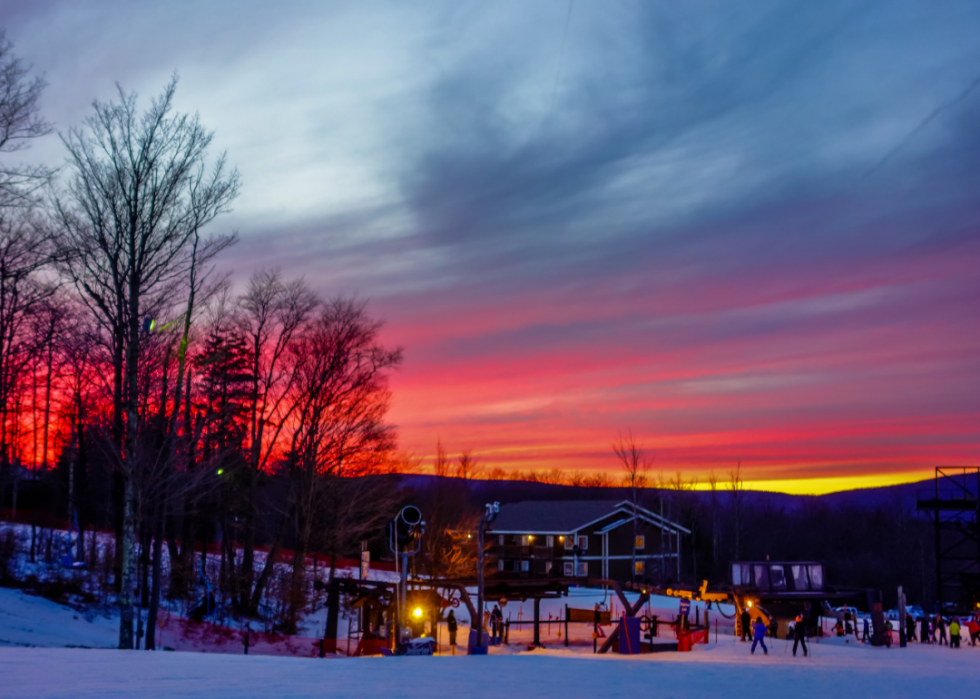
(564,516)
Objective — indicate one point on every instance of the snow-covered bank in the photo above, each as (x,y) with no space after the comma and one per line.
(28,620)
(726,669)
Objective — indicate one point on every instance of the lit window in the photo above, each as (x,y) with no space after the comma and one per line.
(583,542)
(583,569)
(500,539)
(525,566)
(526,540)
(550,542)
(569,543)
(547,567)
(638,567)
(500,564)
(640,543)
(569,570)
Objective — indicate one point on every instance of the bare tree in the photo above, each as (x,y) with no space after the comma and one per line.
(129,220)
(25,250)
(737,487)
(636,466)
(272,316)
(339,430)
(467,467)
(20,122)
(441,465)
(713,485)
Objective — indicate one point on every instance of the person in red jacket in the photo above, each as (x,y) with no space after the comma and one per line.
(973,625)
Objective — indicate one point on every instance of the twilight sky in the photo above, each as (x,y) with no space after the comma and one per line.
(739,229)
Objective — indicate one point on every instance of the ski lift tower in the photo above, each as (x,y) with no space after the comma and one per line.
(954,506)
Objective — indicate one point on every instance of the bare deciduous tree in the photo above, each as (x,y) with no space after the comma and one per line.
(737,488)
(636,466)
(135,203)
(20,121)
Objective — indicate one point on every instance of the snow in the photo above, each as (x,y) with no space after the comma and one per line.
(26,620)
(91,669)
(723,669)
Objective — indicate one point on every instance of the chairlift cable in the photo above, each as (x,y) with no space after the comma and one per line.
(922,125)
(561,61)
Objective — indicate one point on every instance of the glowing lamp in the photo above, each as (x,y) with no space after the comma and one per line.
(749,604)
(417,612)
(220,471)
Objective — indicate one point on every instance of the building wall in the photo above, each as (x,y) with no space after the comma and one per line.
(527,556)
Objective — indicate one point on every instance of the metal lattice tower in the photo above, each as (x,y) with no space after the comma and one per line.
(954,507)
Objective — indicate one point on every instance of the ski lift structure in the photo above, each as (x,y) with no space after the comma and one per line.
(781,590)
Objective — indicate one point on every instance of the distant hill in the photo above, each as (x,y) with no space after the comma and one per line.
(483,491)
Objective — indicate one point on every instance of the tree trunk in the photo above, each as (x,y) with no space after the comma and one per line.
(128,566)
(268,568)
(151,618)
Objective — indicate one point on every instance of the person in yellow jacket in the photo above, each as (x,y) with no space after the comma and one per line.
(954,633)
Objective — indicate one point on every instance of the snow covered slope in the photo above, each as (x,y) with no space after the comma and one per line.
(26,620)
(723,670)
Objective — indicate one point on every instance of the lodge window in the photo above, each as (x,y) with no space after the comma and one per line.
(569,542)
(547,567)
(526,540)
(638,567)
(525,566)
(569,570)
(500,539)
(583,569)
(550,542)
(500,564)
(583,543)
(640,542)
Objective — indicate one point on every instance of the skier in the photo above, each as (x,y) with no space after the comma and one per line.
(496,622)
(924,636)
(954,633)
(746,625)
(867,633)
(974,626)
(941,625)
(759,635)
(799,635)
(909,628)
(453,626)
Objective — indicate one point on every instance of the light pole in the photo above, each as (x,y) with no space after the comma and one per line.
(477,624)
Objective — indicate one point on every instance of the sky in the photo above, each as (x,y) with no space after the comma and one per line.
(739,231)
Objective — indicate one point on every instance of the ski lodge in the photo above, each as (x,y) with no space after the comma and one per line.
(584,538)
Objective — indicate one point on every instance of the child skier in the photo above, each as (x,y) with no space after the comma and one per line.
(759,635)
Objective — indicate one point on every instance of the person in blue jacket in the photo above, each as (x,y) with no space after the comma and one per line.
(759,635)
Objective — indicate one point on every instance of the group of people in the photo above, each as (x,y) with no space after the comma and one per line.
(930,629)
(493,620)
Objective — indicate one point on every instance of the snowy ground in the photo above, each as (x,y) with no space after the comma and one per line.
(726,669)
